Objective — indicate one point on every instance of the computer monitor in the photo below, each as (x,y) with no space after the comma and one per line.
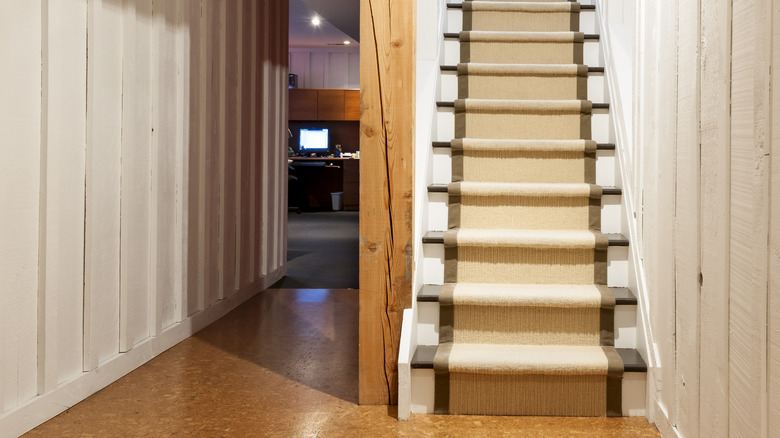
(313,140)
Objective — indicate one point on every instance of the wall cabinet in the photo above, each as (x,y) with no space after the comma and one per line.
(324,104)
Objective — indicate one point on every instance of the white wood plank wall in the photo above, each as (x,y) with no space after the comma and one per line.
(703,165)
(142,187)
(325,68)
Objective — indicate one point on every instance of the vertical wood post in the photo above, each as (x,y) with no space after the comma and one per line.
(387,54)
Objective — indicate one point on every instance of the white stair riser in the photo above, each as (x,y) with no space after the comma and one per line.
(433,265)
(437,213)
(587,21)
(442,167)
(444,126)
(423,381)
(591,53)
(448,87)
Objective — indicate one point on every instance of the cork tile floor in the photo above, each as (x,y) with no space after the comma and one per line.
(283,364)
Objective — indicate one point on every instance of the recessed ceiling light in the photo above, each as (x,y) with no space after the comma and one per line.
(346,42)
(316,21)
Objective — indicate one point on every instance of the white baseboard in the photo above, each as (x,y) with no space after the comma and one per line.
(45,407)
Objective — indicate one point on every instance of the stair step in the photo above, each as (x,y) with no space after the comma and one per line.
(632,360)
(460,6)
(451,104)
(456,35)
(599,146)
(437,237)
(429,293)
(442,188)
(455,68)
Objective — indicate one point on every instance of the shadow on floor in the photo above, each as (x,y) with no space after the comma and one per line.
(309,336)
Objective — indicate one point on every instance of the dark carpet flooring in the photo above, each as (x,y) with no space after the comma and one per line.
(322,251)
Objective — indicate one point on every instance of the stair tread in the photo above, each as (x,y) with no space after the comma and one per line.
(632,360)
(456,35)
(429,293)
(460,6)
(451,103)
(605,190)
(437,237)
(448,67)
(599,146)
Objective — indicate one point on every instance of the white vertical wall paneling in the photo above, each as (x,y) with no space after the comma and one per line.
(181,229)
(136,172)
(204,135)
(20,123)
(248,122)
(318,70)
(239,141)
(354,70)
(749,217)
(229,136)
(773,317)
(686,232)
(338,70)
(715,181)
(274,141)
(264,163)
(65,115)
(221,154)
(282,109)
(194,273)
(104,120)
(299,65)
(212,182)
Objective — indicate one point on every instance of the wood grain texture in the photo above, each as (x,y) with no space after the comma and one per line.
(103,170)
(387,59)
(303,104)
(773,301)
(330,105)
(20,167)
(749,217)
(686,225)
(136,172)
(351,104)
(715,182)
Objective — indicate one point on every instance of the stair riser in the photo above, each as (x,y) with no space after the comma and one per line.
(433,265)
(530,213)
(591,53)
(448,88)
(442,167)
(444,125)
(428,325)
(587,21)
(633,388)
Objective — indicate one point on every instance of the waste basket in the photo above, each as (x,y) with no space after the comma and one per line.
(338,200)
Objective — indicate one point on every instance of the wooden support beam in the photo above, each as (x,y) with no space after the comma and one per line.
(387,65)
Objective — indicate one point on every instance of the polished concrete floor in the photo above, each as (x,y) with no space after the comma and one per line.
(283,364)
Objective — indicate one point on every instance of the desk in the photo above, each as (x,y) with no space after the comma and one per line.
(317,180)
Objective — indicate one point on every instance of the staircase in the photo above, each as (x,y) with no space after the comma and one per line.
(523,175)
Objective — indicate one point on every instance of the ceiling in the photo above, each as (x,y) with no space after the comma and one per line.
(340,22)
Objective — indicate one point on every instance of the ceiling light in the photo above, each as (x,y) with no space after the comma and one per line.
(346,42)
(316,21)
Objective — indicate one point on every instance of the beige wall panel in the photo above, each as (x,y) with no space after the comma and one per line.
(274,146)
(263,113)
(213,142)
(165,139)
(20,163)
(65,60)
(281,146)
(181,230)
(228,205)
(246,168)
(104,126)
(749,218)
(136,172)
(773,332)
(195,78)
(686,226)
(715,163)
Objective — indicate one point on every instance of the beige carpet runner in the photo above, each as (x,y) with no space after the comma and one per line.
(526,318)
